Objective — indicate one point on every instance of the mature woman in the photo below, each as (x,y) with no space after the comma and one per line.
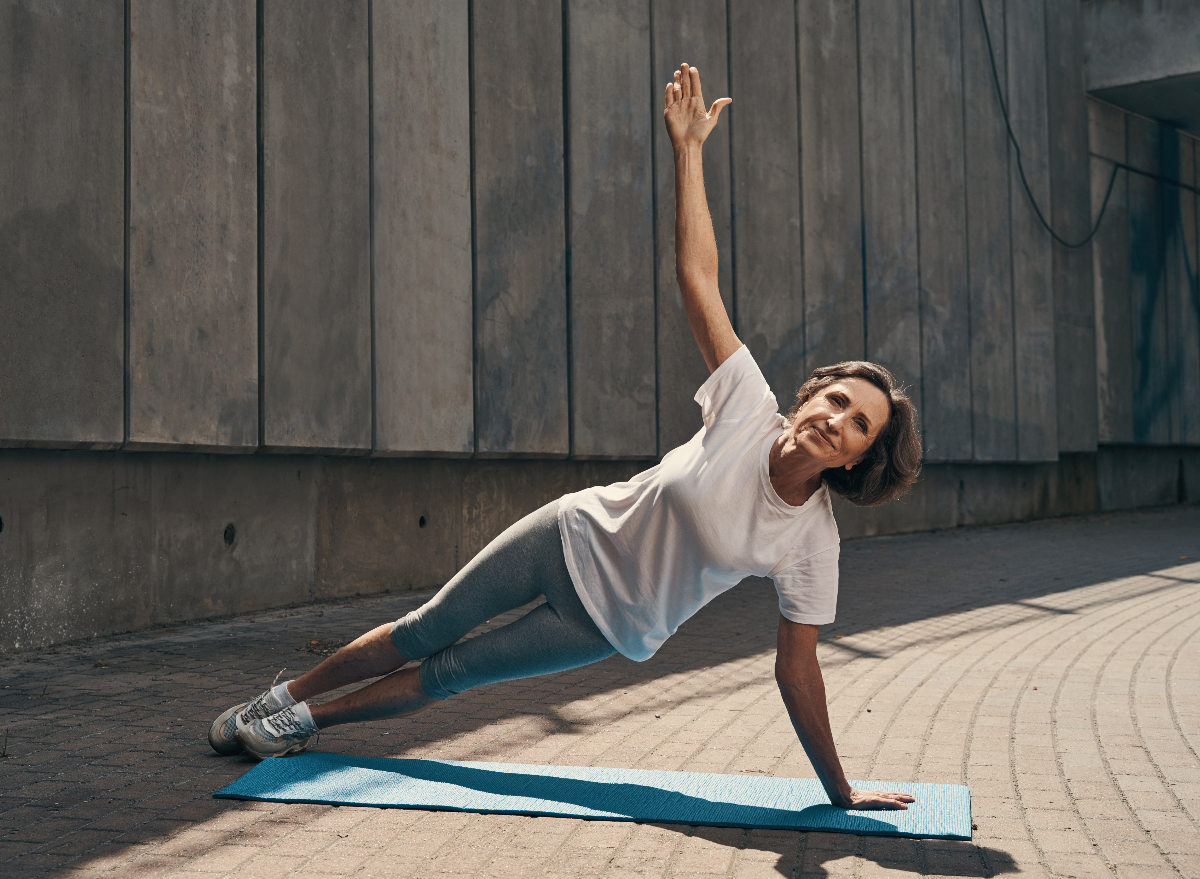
(624,565)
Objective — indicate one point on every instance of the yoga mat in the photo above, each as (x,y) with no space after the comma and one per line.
(942,811)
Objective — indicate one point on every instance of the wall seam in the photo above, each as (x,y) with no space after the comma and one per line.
(371,215)
(800,194)
(570,324)
(474,230)
(862,207)
(260,51)
(127,377)
(1012,279)
(912,42)
(962,70)
(733,260)
(655,134)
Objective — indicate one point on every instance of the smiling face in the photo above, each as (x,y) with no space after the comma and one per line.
(839,422)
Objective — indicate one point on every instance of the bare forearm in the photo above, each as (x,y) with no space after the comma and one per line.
(696,261)
(695,242)
(804,696)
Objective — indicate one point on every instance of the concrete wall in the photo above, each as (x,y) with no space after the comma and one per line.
(404,228)
(1145,57)
(1146,279)
(322,239)
(100,542)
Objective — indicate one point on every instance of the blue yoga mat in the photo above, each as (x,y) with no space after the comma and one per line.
(942,811)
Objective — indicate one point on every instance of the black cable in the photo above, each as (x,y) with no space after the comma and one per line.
(1017,149)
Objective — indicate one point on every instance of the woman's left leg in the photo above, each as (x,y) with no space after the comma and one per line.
(554,636)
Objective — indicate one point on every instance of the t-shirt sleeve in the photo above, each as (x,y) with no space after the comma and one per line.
(808,589)
(735,390)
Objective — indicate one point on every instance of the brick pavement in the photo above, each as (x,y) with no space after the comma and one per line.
(1053,666)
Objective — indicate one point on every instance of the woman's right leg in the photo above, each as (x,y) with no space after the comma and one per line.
(509,572)
(367,656)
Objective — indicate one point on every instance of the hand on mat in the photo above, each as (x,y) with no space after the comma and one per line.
(876,799)
(688,122)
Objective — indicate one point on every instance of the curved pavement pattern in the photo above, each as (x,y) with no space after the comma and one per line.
(1053,666)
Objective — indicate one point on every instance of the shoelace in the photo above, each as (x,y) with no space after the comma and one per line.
(287,725)
(257,709)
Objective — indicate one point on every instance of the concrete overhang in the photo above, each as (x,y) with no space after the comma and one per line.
(1144,56)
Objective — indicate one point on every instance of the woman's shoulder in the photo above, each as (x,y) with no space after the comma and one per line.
(735,390)
(816,533)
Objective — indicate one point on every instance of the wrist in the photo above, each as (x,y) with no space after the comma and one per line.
(842,795)
(687,150)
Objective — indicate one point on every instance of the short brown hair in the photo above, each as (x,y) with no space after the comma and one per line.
(892,463)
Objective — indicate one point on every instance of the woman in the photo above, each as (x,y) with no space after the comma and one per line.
(622,566)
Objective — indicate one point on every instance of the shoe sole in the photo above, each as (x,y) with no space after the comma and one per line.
(220,745)
(294,749)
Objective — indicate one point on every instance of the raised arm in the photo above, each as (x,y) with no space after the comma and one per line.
(688,125)
(803,689)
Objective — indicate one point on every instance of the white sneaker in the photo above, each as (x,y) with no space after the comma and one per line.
(284,732)
(222,735)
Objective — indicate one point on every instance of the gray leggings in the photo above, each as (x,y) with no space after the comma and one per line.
(522,563)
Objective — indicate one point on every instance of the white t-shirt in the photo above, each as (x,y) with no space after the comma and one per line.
(648,553)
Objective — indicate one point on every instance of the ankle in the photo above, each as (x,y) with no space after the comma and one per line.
(283,694)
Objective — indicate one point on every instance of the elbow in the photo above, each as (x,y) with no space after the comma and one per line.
(796,678)
(695,277)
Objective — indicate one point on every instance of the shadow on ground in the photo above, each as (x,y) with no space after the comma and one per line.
(155,783)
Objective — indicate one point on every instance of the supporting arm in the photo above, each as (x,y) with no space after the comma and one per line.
(803,689)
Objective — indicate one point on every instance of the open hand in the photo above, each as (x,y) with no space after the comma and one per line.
(876,799)
(688,122)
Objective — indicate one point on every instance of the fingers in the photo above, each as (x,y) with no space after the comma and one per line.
(876,799)
(718,105)
(693,76)
(685,80)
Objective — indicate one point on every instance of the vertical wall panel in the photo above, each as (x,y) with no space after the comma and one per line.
(1183,334)
(1190,305)
(830,182)
(520,295)
(945,400)
(889,188)
(316,306)
(61,223)
(1032,268)
(1074,311)
(766,196)
(692,32)
(1110,276)
(424,343)
(193,219)
(989,246)
(1147,268)
(612,229)
(1190,321)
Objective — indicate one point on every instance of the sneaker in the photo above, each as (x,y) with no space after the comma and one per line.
(222,735)
(285,732)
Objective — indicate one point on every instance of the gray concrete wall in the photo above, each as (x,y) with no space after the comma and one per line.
(403,228)
(100,542)
(1131,41)
(433,230)
(1146,279)
(1145,57)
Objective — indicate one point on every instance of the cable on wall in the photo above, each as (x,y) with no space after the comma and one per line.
(1017,149)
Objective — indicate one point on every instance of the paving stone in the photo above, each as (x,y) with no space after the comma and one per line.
(943,655)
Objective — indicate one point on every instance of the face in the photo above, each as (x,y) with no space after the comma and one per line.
(840,421)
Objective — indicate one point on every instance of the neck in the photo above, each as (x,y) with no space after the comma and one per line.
(795,476)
